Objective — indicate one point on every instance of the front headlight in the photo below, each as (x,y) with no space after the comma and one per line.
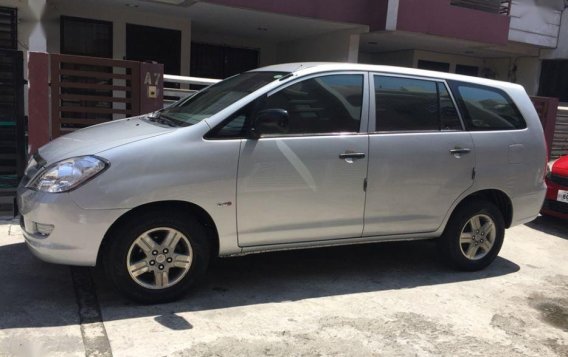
(31,164)
(67,174)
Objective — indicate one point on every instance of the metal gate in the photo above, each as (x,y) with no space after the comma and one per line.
(12,145)
(560,141)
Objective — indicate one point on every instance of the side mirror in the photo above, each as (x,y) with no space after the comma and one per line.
(269,121)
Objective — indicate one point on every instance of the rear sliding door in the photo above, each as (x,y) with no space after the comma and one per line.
(420,157)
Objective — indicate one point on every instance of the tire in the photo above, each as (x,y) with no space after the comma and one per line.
(468,243)
(163,267)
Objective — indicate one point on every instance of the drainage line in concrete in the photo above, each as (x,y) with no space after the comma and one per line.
(93,331)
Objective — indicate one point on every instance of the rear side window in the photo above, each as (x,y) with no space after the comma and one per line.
(485,108)
(407,104)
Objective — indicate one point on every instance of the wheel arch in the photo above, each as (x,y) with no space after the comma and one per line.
(495,196)
(181,206)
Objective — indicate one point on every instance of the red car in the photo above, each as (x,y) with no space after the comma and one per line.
(556,202)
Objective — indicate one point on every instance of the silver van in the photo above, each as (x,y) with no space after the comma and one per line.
(284,157)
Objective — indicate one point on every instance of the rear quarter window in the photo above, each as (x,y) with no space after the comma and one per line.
(486,108)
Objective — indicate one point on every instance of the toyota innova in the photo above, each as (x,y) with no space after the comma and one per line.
(289,156)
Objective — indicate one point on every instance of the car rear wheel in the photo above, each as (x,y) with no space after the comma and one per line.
(473,237)
(156,257)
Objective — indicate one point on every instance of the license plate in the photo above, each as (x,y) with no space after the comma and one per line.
(562,196)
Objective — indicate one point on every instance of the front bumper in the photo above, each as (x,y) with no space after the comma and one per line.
(551,206)
(77,233)
(555,209)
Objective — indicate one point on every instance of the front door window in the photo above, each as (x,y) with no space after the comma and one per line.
(326,104)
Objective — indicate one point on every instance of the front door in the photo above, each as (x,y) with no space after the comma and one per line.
(304,181)
(421,159)
(216,61)
(146,43)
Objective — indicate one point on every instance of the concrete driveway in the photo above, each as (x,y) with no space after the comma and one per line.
(383,299)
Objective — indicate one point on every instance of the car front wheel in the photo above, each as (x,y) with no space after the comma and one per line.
(156,257)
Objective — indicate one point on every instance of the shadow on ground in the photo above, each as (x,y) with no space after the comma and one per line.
(254,279)
(34,293)
(312,273)
(550,225)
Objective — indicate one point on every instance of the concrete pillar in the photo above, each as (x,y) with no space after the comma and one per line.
(527,73)
(337,46)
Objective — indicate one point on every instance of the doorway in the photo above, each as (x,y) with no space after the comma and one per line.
(215,61)
(145,43)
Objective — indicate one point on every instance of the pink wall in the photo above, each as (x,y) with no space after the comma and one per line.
(362,12)
(438,17)
(38,100)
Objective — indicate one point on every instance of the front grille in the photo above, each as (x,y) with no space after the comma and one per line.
(556,206)
(560,180)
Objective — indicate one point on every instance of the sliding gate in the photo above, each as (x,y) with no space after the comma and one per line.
(12,145)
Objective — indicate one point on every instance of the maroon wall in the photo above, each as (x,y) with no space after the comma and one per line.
(547,109)
(438,17)
(363,12)
(38,100)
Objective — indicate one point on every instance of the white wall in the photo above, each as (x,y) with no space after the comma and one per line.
(499,67)
(31,34)
(338,46)
(536,22)
(119,16)
(528,73)
(561,52)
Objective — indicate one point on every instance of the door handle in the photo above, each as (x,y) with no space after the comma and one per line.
(352,155)
(459,151)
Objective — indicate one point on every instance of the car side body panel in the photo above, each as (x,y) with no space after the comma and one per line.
(178,164)
(514,161)
(181,166)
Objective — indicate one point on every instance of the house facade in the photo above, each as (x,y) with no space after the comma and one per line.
(511,40)
(522,41)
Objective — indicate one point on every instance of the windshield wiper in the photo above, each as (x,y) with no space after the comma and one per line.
(160,117)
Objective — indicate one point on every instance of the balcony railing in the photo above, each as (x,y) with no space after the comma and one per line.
(501,7)
(174,94)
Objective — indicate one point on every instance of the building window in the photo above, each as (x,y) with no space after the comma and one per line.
(145,43)
(434,66)
(501,7)
(8,28)
(86,37)
(553,79)
(467,70)
(213,61)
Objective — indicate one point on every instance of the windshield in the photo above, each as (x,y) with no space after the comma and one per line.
(217,97)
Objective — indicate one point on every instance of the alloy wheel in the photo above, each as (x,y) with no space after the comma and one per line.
(477,237)
(159,258)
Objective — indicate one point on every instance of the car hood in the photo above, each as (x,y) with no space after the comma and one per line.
(101,137)
(560,166)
